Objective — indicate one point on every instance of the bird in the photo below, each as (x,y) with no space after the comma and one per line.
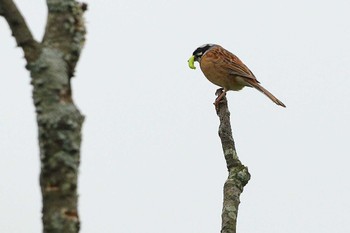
(226,70)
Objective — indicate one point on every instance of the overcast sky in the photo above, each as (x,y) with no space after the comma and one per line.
(151,157)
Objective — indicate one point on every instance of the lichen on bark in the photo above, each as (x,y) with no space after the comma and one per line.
(238,175)
(51,64)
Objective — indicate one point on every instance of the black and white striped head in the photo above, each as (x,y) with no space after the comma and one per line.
(198,53)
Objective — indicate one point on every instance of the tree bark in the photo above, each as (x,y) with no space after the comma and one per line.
(51,64)
(238,175)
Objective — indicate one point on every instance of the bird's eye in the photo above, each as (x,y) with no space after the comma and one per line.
(199,54)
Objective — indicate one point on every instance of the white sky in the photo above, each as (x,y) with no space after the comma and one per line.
(151,156)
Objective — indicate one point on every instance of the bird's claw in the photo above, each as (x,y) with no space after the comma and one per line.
(220,93)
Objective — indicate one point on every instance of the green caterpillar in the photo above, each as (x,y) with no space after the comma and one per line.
(191,63)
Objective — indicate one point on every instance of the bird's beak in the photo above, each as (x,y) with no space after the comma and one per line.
(191,62)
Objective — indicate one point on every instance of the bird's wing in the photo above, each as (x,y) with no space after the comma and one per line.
(236,67)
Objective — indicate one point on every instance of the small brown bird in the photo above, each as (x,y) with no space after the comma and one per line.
(226,70)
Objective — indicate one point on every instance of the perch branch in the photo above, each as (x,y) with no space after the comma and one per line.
(238,173)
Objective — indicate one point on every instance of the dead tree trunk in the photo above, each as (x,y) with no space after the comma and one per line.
(238,175)
(51,64)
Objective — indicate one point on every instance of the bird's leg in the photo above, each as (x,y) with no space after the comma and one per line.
(221,92)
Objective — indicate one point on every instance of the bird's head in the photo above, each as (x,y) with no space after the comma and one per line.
(197,54)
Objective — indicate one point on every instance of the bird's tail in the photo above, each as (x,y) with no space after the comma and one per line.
(266,92)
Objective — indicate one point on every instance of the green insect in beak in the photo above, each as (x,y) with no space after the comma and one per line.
(191,62)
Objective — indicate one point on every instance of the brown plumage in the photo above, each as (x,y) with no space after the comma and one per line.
(226,70)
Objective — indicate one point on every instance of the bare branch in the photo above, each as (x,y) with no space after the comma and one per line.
(65,30)
(238,174)
(51,64)
(20,30)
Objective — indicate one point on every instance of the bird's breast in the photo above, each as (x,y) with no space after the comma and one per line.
(214,70)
